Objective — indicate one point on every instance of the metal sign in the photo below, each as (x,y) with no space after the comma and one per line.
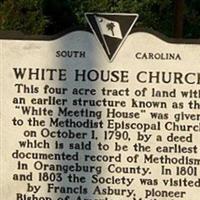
(84,117)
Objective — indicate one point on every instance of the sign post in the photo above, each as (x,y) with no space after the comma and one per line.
(112,114)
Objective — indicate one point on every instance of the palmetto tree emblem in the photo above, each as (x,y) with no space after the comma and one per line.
(111,30)
(110,27)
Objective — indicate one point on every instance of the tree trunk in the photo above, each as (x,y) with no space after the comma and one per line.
(179,18)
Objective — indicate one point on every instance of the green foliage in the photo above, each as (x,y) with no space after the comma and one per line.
(192,19)
(60,15)
(22,15)
(53,16)
(154,14)
(80,7)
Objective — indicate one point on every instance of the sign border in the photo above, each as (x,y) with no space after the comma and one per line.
(19,35)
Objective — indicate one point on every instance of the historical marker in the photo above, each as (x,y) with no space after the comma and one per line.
(102,115)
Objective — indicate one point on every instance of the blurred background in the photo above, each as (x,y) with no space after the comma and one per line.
(173,18)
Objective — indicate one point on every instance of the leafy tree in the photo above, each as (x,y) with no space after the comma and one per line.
(22,15)
(60,15)
(53,16)
(154,14)
(192,19)
(80,7)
